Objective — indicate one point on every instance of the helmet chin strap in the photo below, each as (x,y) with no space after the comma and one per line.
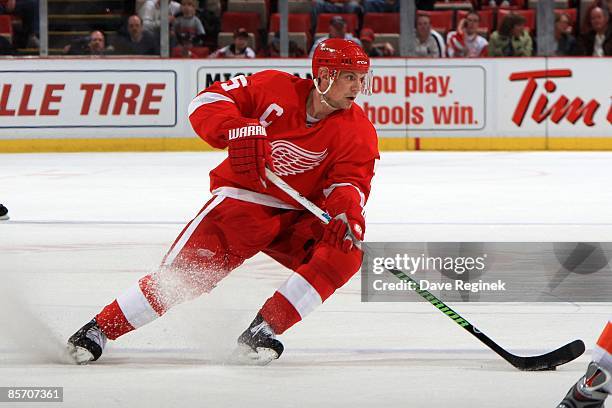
(324,101)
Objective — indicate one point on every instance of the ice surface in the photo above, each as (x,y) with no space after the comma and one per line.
(85,226)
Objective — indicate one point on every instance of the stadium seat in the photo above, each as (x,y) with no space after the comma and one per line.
(231,20)
(514,4)
(441,21)
(297,22)
(391,38)
(251,6)
(324,18)
(201,52)
(453,5)
(486,20)
(300,39)
(530,17)
(299,29)
(300,6)
(382,22)
(563,4)
(198,52)
(6,27)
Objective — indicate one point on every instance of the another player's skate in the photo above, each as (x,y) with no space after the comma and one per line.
(87,343)
(588,391)
(3,213)
(258,344)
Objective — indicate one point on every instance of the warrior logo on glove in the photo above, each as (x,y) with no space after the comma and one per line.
(246,131)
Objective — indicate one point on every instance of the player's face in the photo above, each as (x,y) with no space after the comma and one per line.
(345,89)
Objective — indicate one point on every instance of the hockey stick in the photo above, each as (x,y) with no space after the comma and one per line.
(541,362)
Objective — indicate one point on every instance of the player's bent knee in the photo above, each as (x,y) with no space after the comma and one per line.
(330,268)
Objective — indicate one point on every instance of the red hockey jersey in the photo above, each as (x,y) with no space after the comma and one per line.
(339,150)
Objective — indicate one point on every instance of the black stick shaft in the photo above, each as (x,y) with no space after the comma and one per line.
(546,361)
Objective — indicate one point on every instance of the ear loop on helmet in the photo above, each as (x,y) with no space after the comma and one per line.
(332,78)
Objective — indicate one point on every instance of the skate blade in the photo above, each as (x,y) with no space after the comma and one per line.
(244,355)
(79,355)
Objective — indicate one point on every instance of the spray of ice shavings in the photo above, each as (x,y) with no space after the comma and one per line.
(25,335)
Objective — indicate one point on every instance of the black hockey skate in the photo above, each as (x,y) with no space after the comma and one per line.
(588,392)
(3,213)
(258,344)
(87,343)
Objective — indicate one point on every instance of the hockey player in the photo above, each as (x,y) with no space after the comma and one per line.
(316,138)
(592,389)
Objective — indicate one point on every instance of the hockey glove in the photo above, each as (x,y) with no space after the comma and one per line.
(249,150)
(348,224)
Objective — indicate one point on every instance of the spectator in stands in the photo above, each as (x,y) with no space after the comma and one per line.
(211,22)
(597,40)
(138,41)
(512,39)
(466,42)
(381,6)
(428,42)
(186,49)
(499,3)
(274,50)
(27,11)
(238,49)
(337,29)
(188,23)
(566,42)
(150,15)
(6,47)
(334,6)
(93,44)
(375,49)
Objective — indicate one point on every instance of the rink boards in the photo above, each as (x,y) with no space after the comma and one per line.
(460,104)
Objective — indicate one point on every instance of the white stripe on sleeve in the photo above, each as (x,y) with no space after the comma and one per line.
(206,98)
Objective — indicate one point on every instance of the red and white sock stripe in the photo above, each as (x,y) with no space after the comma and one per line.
(136,307)
(301,294)
(602,352)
